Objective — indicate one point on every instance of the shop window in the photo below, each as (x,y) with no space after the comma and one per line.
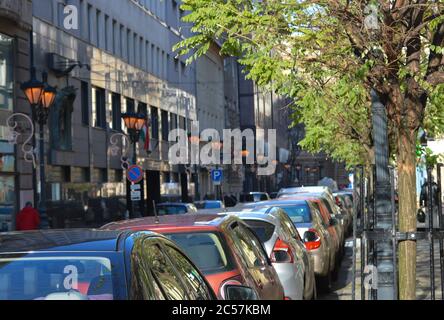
(6,73)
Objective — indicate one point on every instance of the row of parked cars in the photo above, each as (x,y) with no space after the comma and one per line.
(286,248)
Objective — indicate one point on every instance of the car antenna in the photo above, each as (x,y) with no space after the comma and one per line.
(155,212)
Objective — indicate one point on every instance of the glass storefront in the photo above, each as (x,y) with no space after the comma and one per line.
(7,184)
(7,159)
(6,73)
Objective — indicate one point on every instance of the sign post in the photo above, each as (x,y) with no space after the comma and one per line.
(134,175)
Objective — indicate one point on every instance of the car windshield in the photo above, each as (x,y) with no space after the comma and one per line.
(206,249)
(56,278)
(298,214)
(171,209)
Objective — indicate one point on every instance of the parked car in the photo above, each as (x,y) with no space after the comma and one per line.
(209,204)
(294,190)
(336,212)
(223,247)
(335,228)
(316,232)
(293,264)
(170,208)
(97,265)
(254,197)
(346,204)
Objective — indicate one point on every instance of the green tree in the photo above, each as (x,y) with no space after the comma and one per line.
(327,55)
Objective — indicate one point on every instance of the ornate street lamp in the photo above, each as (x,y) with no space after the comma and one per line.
(41,97)
(134,123)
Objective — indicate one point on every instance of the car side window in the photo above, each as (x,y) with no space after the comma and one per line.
(164,273)
(143,285)
(197,287)
(249,246)
(288,226)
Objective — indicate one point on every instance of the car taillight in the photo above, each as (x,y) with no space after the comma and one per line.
(312,239)
(281,252)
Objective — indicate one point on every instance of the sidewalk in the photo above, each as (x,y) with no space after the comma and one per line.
(342,288)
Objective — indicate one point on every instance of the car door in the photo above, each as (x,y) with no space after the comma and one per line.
(259,266)
(292,236)
(195,283)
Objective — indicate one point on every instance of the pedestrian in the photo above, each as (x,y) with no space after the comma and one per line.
(423,200)
(28,218)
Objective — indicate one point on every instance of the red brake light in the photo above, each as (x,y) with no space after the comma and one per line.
(311,245)
(281,252)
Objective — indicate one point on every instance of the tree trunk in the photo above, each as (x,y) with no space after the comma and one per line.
(407,212)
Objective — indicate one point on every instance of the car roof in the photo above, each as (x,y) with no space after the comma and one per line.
(59,240)
(175,223)
(274,202)
(262,216)
(171,204)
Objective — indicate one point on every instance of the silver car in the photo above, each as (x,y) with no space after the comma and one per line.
(284,246)
(311,226)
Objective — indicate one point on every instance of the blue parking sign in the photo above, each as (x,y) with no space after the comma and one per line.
(217,175)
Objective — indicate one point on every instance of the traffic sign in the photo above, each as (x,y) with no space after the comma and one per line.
(135,187)
(217,176)
(136,195)
(134,174)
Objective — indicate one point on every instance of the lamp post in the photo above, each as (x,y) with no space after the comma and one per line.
(41,97)
(134,123)
(193,139)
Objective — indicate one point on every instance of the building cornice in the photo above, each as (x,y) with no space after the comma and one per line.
(18,11)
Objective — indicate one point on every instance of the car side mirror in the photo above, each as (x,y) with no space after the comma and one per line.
(310,236)
(333,222)
(235,292)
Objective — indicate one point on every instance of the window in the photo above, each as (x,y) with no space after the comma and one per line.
(130,106)
(298,214)
(115,38)
(84,88)
(122,42)
(196,285)
(107,46)
(99,105)
(249,247)
(116,110)
(207,250)
(99,30)
(154,123)
(91,26)
(173,121)
(165,129)
(164,273)
(36,278)
(263,230)
(142,108)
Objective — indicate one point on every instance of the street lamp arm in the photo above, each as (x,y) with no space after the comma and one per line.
(114,148)
(27,147)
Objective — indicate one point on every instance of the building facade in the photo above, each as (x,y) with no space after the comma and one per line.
(119,59)
(16,174)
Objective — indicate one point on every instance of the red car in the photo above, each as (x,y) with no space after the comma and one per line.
(223,248)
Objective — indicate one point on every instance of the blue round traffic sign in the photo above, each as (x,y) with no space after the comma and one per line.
(134,174)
